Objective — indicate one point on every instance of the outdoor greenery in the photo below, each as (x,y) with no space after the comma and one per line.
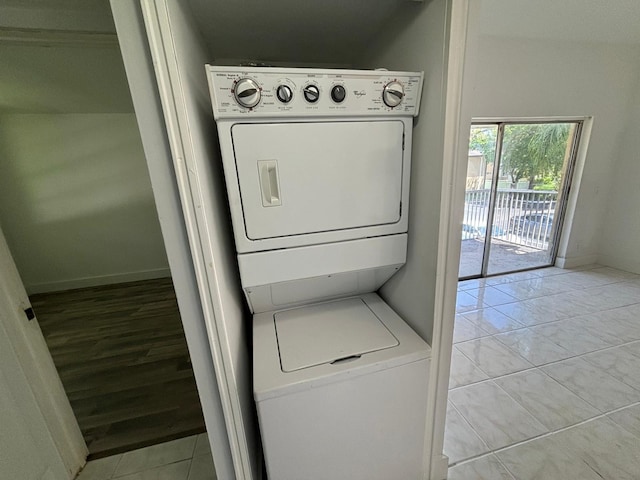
(483,140)
(534,152)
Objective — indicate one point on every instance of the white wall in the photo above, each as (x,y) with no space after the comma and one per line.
(75,200)
(556,73)
(84,15)
(42,76)
(620,243)
(415,41)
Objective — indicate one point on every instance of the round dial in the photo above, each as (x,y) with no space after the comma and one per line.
(284,93)
(247,93)
(392,94)
(311,93)
(338,93)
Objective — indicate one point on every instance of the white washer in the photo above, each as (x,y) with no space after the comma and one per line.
(341,391)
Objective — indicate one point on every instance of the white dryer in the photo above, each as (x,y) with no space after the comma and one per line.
(317,166)
(317,169)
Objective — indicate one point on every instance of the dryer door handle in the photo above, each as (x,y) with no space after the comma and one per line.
(269,183)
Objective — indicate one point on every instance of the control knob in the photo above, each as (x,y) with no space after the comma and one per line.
(311,93)
(338,93)
(247,93)
(392,94)
(284,93)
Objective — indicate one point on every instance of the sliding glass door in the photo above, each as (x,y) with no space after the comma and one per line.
(518,177)
(482,152)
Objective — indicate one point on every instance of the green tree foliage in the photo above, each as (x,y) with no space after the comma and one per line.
(483,140)
(534,151)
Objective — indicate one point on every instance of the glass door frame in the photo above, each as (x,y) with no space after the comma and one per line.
(561,201)
(493,194)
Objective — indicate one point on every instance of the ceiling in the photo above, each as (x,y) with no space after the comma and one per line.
(292,31)
(337,31)
(61,56)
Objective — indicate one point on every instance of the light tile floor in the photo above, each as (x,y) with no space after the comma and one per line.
(184,459)
(545,377)
(505,257)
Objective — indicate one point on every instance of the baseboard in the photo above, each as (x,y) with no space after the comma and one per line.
(61,285)
(439,467)
(573,262)
(621,263)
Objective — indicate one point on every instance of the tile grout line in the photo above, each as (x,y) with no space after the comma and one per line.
(195,444)
(546,323)
(513,475)
(599,415)
(517,403)
(544,364)
(564,429)
(153,468)
(572,289)
(524,406)
(113,474)
(114,477)
(469,425)
(499,376)
(466,312)
(548,434)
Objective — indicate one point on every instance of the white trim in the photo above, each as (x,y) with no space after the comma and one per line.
(564,119)
(36,435)
(572,199)
(38,369)
(149,114)
(168,75)
(84,282)
(621,263)
(575,173)
(47,38)
(451,201)
(573,262)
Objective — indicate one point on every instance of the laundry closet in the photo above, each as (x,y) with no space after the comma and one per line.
(265,277)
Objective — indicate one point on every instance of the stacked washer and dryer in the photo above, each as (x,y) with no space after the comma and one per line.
(317,168)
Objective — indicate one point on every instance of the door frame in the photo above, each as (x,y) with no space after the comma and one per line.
(449,233)
(563,201)
(37,366)
(133,38)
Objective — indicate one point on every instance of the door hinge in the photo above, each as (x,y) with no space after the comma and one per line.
(30,313)
(401,209)
(403,141)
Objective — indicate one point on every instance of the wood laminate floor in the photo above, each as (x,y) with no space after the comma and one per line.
(123,359)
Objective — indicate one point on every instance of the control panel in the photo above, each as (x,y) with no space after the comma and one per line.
(239,92)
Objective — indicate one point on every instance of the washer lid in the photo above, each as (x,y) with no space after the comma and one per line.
(329,332)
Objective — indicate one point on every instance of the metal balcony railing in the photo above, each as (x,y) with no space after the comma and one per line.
(521,217)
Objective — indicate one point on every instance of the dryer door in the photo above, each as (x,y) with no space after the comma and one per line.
(300,178)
